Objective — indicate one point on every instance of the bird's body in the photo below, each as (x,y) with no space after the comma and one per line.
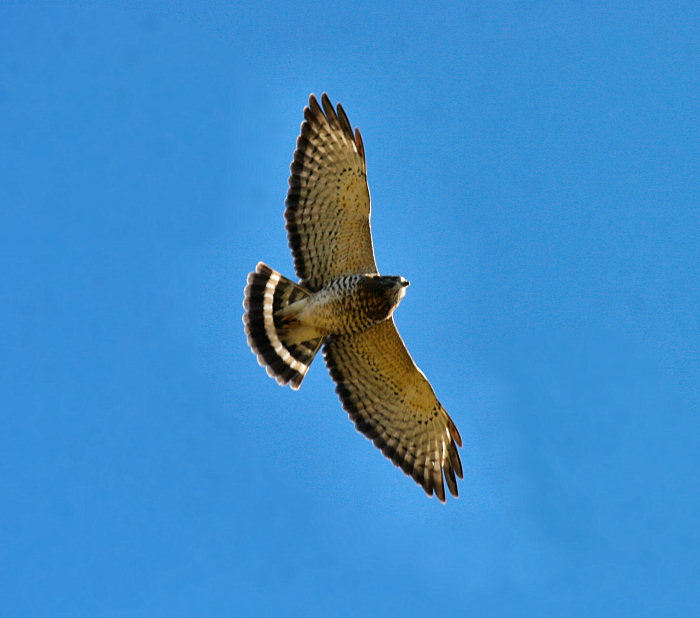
(348,304)
(343,304)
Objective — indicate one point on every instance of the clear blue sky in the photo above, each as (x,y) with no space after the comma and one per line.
(535,175)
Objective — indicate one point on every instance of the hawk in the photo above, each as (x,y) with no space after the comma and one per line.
(343,304)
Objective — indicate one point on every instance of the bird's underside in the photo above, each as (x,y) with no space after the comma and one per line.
(344,305)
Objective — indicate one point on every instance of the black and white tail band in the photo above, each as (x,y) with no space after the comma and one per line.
(266,294)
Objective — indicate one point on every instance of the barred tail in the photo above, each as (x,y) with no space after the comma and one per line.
(269,334)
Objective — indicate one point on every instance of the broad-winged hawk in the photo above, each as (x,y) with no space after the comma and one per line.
(343,304)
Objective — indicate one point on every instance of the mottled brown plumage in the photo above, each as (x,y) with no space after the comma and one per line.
(342,303)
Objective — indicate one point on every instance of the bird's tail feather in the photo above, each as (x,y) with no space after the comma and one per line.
(285,357)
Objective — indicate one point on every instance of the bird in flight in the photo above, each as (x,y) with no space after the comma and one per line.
(343,304)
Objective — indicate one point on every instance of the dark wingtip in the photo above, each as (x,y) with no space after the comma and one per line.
(450,479)
(453,431)
(358,142)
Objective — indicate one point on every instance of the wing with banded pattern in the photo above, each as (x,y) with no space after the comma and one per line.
(328,204)
(392,403)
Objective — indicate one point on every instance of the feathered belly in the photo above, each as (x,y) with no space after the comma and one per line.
(346,305)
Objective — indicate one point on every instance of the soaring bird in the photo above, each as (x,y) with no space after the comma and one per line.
(343,304)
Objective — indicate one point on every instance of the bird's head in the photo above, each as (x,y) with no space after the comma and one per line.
(398,286)
(389,291)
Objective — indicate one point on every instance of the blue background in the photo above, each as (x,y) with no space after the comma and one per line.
(534,174)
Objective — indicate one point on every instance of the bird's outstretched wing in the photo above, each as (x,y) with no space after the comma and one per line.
(392,403)
(328,205)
